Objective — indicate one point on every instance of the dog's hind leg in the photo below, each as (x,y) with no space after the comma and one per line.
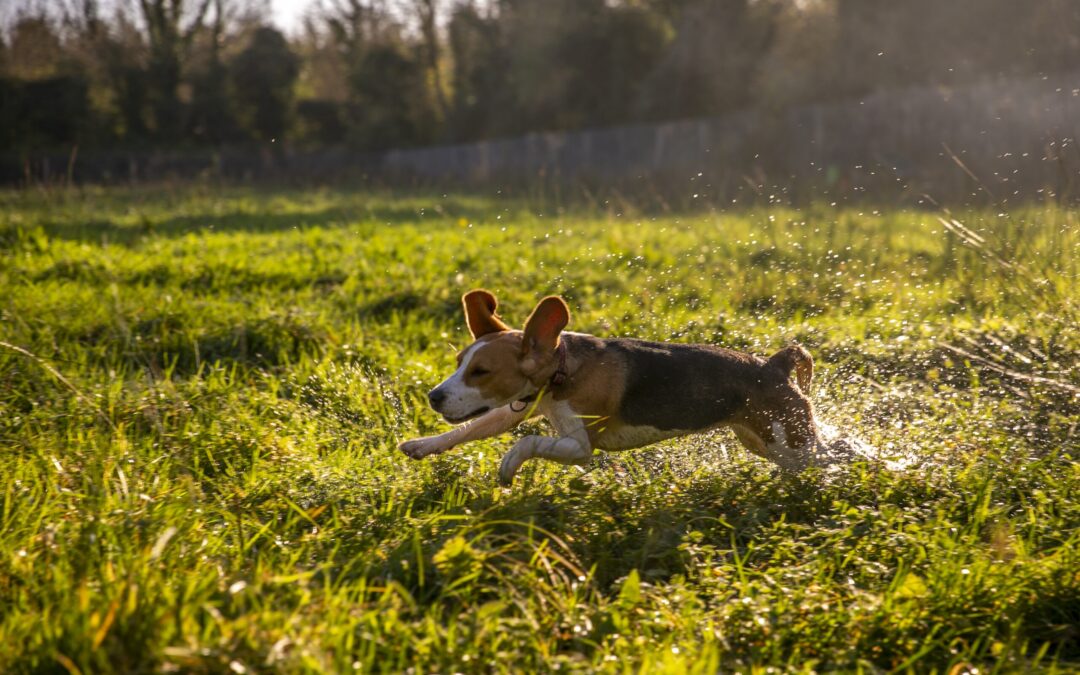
(774,450)
(795,357)
(790,442)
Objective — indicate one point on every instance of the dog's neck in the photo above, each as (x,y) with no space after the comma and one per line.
(557,379)
(560,375)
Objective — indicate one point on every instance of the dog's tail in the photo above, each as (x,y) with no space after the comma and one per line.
(795,357)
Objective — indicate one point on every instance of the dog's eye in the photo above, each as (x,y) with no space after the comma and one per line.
(477,372)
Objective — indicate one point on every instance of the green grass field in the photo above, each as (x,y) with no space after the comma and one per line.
(201,393)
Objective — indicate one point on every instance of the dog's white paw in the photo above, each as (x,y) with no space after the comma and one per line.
(506,474)
(419,448)
(508,468)
(512,461)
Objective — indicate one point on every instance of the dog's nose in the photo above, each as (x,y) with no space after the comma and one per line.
(436,397)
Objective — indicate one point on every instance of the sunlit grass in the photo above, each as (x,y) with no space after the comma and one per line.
(201,391)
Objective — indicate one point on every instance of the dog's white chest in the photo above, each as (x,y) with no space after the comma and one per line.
(566,420)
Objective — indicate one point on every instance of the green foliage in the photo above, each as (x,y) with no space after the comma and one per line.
(481,75)
(391,104)
(201,392)
(378,75)
(263,76)
(212,119)
(38,112)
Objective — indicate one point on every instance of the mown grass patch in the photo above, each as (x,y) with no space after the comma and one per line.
(201,392)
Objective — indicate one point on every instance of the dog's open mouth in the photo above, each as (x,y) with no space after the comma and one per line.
(466,418)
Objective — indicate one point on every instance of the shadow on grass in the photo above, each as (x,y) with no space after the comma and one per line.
(378,214)
(104,230)
(613,526)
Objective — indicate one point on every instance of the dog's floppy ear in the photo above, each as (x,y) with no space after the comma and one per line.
(480,306)
(544,325)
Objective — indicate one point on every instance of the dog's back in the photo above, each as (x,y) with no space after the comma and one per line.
(684,386)
(661,390)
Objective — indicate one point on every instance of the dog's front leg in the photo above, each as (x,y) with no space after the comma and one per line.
(487,425)
(564,450)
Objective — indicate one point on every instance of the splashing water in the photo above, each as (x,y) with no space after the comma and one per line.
(840,449)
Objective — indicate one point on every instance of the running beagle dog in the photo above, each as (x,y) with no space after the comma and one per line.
(615,394)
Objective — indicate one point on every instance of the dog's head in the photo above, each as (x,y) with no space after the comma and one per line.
(501,365)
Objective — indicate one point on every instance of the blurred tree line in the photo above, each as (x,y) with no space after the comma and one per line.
(376,74)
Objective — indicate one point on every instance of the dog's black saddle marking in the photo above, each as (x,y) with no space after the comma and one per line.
(673,386)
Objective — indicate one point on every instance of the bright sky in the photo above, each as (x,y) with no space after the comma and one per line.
(288,13)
